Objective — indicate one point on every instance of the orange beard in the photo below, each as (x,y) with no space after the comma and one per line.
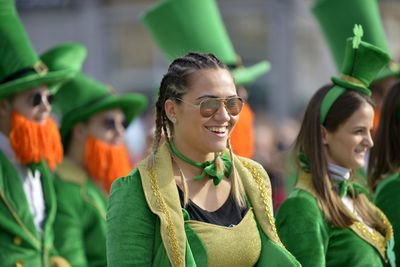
(105,162)
(34,142)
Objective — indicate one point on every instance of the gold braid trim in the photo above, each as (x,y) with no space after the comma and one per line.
(264,192)
(352,80)
(177,259)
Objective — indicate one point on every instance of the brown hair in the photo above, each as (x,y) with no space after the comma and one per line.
(309,141)
(385,155)
(175,83)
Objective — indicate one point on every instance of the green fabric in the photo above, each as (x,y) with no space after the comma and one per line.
(361,63)
(182,26)
(80,224)
(314,242)
(387,198)
(17,54)
(81,97)
(336,19)
(144,247)
(208,167)
(348,187)
(34,249)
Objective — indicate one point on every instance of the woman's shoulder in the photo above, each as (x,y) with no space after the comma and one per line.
(131,181)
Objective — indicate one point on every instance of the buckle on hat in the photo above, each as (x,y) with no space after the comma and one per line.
(351,79)
(393,66)
(40,68)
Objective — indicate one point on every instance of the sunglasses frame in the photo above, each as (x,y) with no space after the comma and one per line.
(220,99)
(36,98)
(107,125)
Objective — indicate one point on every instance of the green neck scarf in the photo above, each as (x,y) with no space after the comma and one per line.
(347,187)
(208,167)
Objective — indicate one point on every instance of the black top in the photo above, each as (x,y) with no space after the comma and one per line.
(229,214)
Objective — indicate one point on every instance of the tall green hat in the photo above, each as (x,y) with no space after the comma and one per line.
(336,19)
(82,97)
(20,67)
(182,26)
(362,62)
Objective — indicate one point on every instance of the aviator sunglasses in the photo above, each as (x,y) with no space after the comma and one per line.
(37,98)
(209,106)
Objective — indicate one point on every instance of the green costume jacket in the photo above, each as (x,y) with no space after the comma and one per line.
(315,242)
(80,224)
(146,225)
(387,198)
(20,242)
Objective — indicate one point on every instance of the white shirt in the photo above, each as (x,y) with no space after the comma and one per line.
(339,173)
(31,183)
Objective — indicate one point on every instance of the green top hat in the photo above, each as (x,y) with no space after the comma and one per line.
(81,97)
(20,67)
(336,19)
(182,26)
(362,62)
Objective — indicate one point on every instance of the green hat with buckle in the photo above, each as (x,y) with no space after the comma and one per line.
(82,97)
(362,63)
(20,67)
(336,19)
(182,26)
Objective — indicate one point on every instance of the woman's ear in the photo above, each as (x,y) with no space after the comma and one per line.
(170,110)
(324,135)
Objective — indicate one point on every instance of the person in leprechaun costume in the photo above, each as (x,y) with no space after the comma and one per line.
(93,122)
(182,26)
(328,220)
(193,202)
(30,144)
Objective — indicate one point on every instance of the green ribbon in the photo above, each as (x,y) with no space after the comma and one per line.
(208,168)
(345,186)
(303,161)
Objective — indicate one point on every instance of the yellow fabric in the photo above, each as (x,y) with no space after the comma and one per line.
(71,172)
(245,236)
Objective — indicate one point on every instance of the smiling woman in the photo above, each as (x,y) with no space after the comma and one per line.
(193,202)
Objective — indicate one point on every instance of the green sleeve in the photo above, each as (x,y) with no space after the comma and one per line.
(387,198)
(131,224)
(302,229)
(68,231)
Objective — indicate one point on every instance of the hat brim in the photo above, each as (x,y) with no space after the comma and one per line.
(131,104)
(387,72)
(53,80)
(350,85)
(247,75)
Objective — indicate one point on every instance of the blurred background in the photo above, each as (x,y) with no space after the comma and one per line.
(284,32)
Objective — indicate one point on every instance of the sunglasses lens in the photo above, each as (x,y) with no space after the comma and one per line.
(36,99)
(50,98)
(209,106)
(234,106)
(125,124)
(109,124)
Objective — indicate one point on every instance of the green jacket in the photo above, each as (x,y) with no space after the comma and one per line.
(315,242)
(80,224)
(146,225)
(387,198)
(20,242)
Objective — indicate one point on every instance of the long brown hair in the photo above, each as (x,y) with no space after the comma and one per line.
(175,84)
(309,142)
(385,155)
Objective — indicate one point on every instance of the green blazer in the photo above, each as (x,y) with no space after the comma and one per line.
(387,198)
(306,233)
(80,224)
(20,243)
(146,222)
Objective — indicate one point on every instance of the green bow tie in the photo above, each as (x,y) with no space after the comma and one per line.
(345,186)
(208,168)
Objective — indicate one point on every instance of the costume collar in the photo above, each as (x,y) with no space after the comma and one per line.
(71,172)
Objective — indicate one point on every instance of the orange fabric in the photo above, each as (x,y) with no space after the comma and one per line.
(105,162)
(242,137)
(376,119)
(33,142)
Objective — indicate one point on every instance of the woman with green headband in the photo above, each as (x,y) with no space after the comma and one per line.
(384,163)
(192,202)
(328,220)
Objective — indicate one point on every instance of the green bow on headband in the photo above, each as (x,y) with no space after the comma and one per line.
(208,168)
(347,187)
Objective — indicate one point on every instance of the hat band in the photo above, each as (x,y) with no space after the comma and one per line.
(351,79)
(87,104)
(40,68)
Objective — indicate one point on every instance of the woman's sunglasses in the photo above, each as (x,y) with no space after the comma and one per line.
(37,98)
(209,106)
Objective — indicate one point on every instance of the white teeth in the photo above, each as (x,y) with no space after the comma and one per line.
(217,129)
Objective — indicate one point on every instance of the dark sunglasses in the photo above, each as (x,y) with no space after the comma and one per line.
(209,106)
(111,124)
(37,98)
